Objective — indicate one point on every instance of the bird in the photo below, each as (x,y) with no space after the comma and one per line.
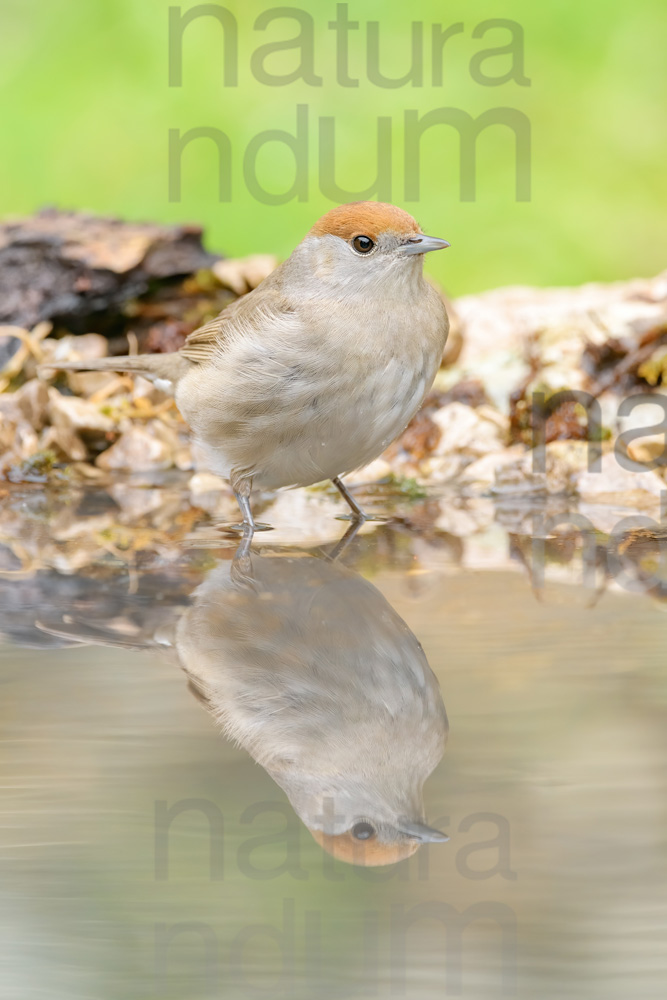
(306,665)
(315,372)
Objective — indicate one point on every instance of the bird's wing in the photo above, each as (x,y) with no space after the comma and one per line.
(264,300)
(203,342)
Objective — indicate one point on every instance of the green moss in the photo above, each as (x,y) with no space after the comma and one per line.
(406,486)
(39,468)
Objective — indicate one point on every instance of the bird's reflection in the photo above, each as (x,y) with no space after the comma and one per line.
(307,666)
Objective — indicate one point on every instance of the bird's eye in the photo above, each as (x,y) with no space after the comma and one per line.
(363,831)
(363,244)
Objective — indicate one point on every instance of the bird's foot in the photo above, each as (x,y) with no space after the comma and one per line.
(245,529)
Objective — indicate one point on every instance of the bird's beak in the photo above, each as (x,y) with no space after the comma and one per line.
(422,832)
(423,244)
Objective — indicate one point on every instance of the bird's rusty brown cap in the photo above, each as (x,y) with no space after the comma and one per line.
(367,218)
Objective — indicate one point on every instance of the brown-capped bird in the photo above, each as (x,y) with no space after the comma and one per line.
(317,370)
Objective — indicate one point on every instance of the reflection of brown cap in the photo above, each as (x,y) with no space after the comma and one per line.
(345,847)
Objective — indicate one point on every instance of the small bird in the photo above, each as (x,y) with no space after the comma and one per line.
(305,665)
(315,372)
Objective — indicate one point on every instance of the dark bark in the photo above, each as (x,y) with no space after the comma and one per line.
(78,270)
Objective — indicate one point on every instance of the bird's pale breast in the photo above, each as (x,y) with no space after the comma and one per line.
(306,404)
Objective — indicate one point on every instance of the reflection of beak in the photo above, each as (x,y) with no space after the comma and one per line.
(423,244)
(423,832)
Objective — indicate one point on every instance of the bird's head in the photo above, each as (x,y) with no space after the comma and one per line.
(370,819)
(366,242)
(371,843)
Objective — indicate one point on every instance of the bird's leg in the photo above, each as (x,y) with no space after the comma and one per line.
(357,513)
(343,544)
(242,486)
(248,519)
(241,571)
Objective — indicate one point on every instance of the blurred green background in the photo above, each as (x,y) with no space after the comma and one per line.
(87,109)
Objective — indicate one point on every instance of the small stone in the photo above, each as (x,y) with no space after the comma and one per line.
(65,443)
(30,403)
(489,413)
(18,441)
(518,470)
(170,438)
(574,455)
(85,347)
(519,480)
(137,450)
(643,416)
(482,472)
(648,449)
(9,408)
(629,481)
(78,414)
(443,468)
(468,431)
(554,474)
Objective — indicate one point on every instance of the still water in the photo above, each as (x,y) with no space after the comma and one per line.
(206,753)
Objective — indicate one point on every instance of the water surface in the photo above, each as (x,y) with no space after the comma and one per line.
(147,854)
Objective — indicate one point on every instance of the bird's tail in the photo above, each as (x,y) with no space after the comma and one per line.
(169,367)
